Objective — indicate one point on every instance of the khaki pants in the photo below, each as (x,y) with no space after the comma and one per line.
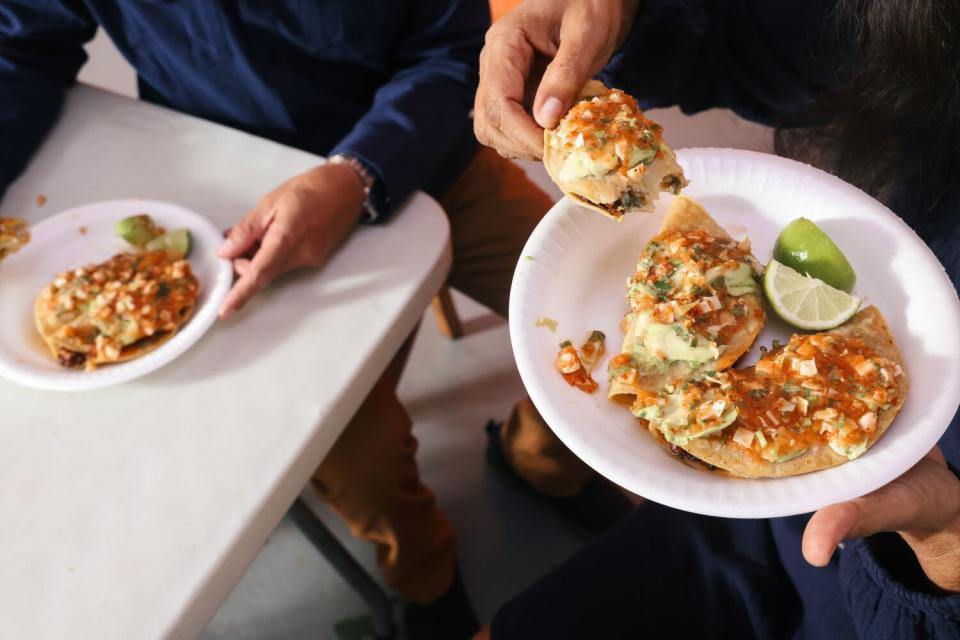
(370,477)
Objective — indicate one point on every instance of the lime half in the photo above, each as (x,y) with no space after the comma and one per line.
(803,246)
(806,302)
(138,230)
(176,243)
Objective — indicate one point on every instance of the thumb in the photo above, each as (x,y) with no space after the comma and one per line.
(826,529)
(245,234)
(579,56)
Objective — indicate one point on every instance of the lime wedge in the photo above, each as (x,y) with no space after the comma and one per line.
(138,230)
(803,246)
(805,302)
(177,243)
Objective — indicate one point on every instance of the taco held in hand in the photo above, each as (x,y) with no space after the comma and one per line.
(607,156)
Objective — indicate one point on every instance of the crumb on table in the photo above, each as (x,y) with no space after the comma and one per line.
(41,200)
(83,231)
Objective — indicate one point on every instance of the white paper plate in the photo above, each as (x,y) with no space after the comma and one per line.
(86,235)
(574,268)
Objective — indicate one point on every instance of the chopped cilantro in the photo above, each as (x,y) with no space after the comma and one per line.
(663,285)
(739,310)
(597,336)
(757,394)
(565,344)
(163,290)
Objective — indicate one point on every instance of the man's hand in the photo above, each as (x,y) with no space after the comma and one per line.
(299,224)
(576,37)
(922,505)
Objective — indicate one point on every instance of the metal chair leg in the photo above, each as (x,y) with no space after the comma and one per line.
(348,568)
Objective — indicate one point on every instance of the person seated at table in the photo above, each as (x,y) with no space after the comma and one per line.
(384,88)
(870,91)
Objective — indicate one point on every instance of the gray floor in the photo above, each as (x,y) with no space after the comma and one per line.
(507,538)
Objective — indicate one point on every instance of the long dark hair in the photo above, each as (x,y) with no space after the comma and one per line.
(894,116)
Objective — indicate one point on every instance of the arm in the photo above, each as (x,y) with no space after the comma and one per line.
(754,56)
(422,115)
(408,139)
(41,50)
(757,58)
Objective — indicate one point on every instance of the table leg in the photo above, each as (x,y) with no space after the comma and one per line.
(348,568)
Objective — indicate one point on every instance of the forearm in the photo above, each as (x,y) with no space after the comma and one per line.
(418,132)
(25,117)
(41,50)
(752,56)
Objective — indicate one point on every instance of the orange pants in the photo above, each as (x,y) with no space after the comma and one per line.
(370,477)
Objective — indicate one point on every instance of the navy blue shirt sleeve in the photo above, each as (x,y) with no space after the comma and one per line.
(758,58)
(41,51)
(887,594)
(422,114)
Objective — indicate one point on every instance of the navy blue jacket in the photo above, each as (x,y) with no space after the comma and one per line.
(666,574)
(389,81)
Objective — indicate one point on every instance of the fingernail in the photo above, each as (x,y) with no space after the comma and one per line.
(550,112)
(225,248)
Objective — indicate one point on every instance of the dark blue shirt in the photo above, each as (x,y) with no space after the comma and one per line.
(663,573)
(388,81)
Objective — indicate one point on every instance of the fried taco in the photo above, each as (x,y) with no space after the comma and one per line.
(694,301)
(607,156)
(14,234)
(814,403)
(116,311)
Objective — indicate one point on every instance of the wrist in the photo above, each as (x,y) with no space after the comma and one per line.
(938,553)
(369,210)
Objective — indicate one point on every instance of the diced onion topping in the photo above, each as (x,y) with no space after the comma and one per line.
(808,368)
(743,437)
(568,363)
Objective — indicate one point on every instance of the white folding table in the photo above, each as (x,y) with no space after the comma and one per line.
(132,511)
